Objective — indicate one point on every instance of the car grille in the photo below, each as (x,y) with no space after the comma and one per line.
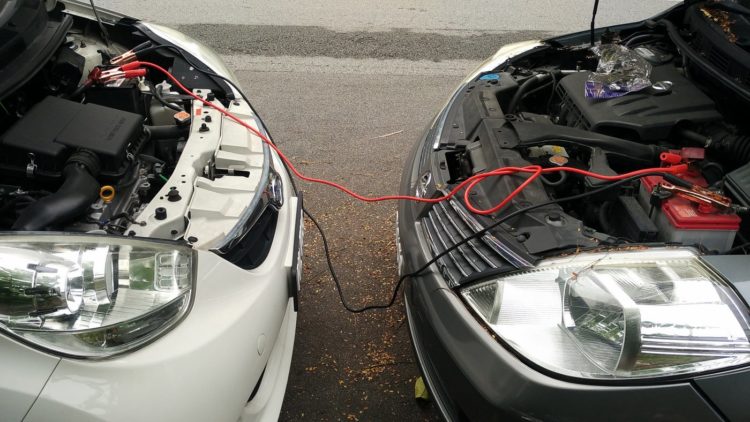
(448,223)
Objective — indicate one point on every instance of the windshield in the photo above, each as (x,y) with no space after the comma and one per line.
(20,24)
(612,13)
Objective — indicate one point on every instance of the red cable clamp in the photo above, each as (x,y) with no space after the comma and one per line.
(124,72)
(131,66)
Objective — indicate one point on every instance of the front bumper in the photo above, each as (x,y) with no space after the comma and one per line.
(236,342)
(473,377)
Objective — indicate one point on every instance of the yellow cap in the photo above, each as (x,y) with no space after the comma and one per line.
(107,193)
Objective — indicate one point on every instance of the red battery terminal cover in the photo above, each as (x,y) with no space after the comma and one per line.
(684,155)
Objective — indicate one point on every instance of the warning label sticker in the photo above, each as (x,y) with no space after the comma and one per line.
(685,211)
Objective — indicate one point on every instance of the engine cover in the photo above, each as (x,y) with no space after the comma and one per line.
(639,116)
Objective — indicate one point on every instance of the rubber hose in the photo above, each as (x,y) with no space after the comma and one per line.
(533,133)
(79,190)
(735,148)
(603,217)
(524,88)
(559,182)
(158,95)
(167,131)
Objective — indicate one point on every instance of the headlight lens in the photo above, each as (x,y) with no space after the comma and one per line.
(636,314)
(87,296)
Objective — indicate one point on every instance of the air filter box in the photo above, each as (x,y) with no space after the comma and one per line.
(54,128)
(737,184)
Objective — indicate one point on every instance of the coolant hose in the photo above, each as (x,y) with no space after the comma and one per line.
(78,191)
(524,88)
(735,147)
(533,134)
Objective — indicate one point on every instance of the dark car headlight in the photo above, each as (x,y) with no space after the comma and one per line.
(92,296)
(618,315)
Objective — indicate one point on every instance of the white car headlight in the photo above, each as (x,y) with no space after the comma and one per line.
(636,314)
(92,296)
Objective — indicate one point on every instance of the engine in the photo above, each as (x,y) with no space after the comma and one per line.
(535,111)
(76,143)
(88,154)
(642,116)
(652,115)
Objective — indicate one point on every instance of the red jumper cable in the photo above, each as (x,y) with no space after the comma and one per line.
(469,183)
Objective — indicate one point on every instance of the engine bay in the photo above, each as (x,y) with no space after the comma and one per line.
(89,147)
(91,143)
(534,110)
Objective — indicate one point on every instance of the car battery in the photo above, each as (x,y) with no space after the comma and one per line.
(679,220)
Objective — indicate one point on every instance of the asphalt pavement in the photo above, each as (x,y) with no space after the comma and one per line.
(346,87)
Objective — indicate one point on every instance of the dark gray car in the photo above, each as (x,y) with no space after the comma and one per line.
(591,261)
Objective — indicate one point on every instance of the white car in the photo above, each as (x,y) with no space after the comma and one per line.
(150,245)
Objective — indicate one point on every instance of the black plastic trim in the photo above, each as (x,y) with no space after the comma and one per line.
(224,86)
(295,272)
(436,392)
(702,63)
